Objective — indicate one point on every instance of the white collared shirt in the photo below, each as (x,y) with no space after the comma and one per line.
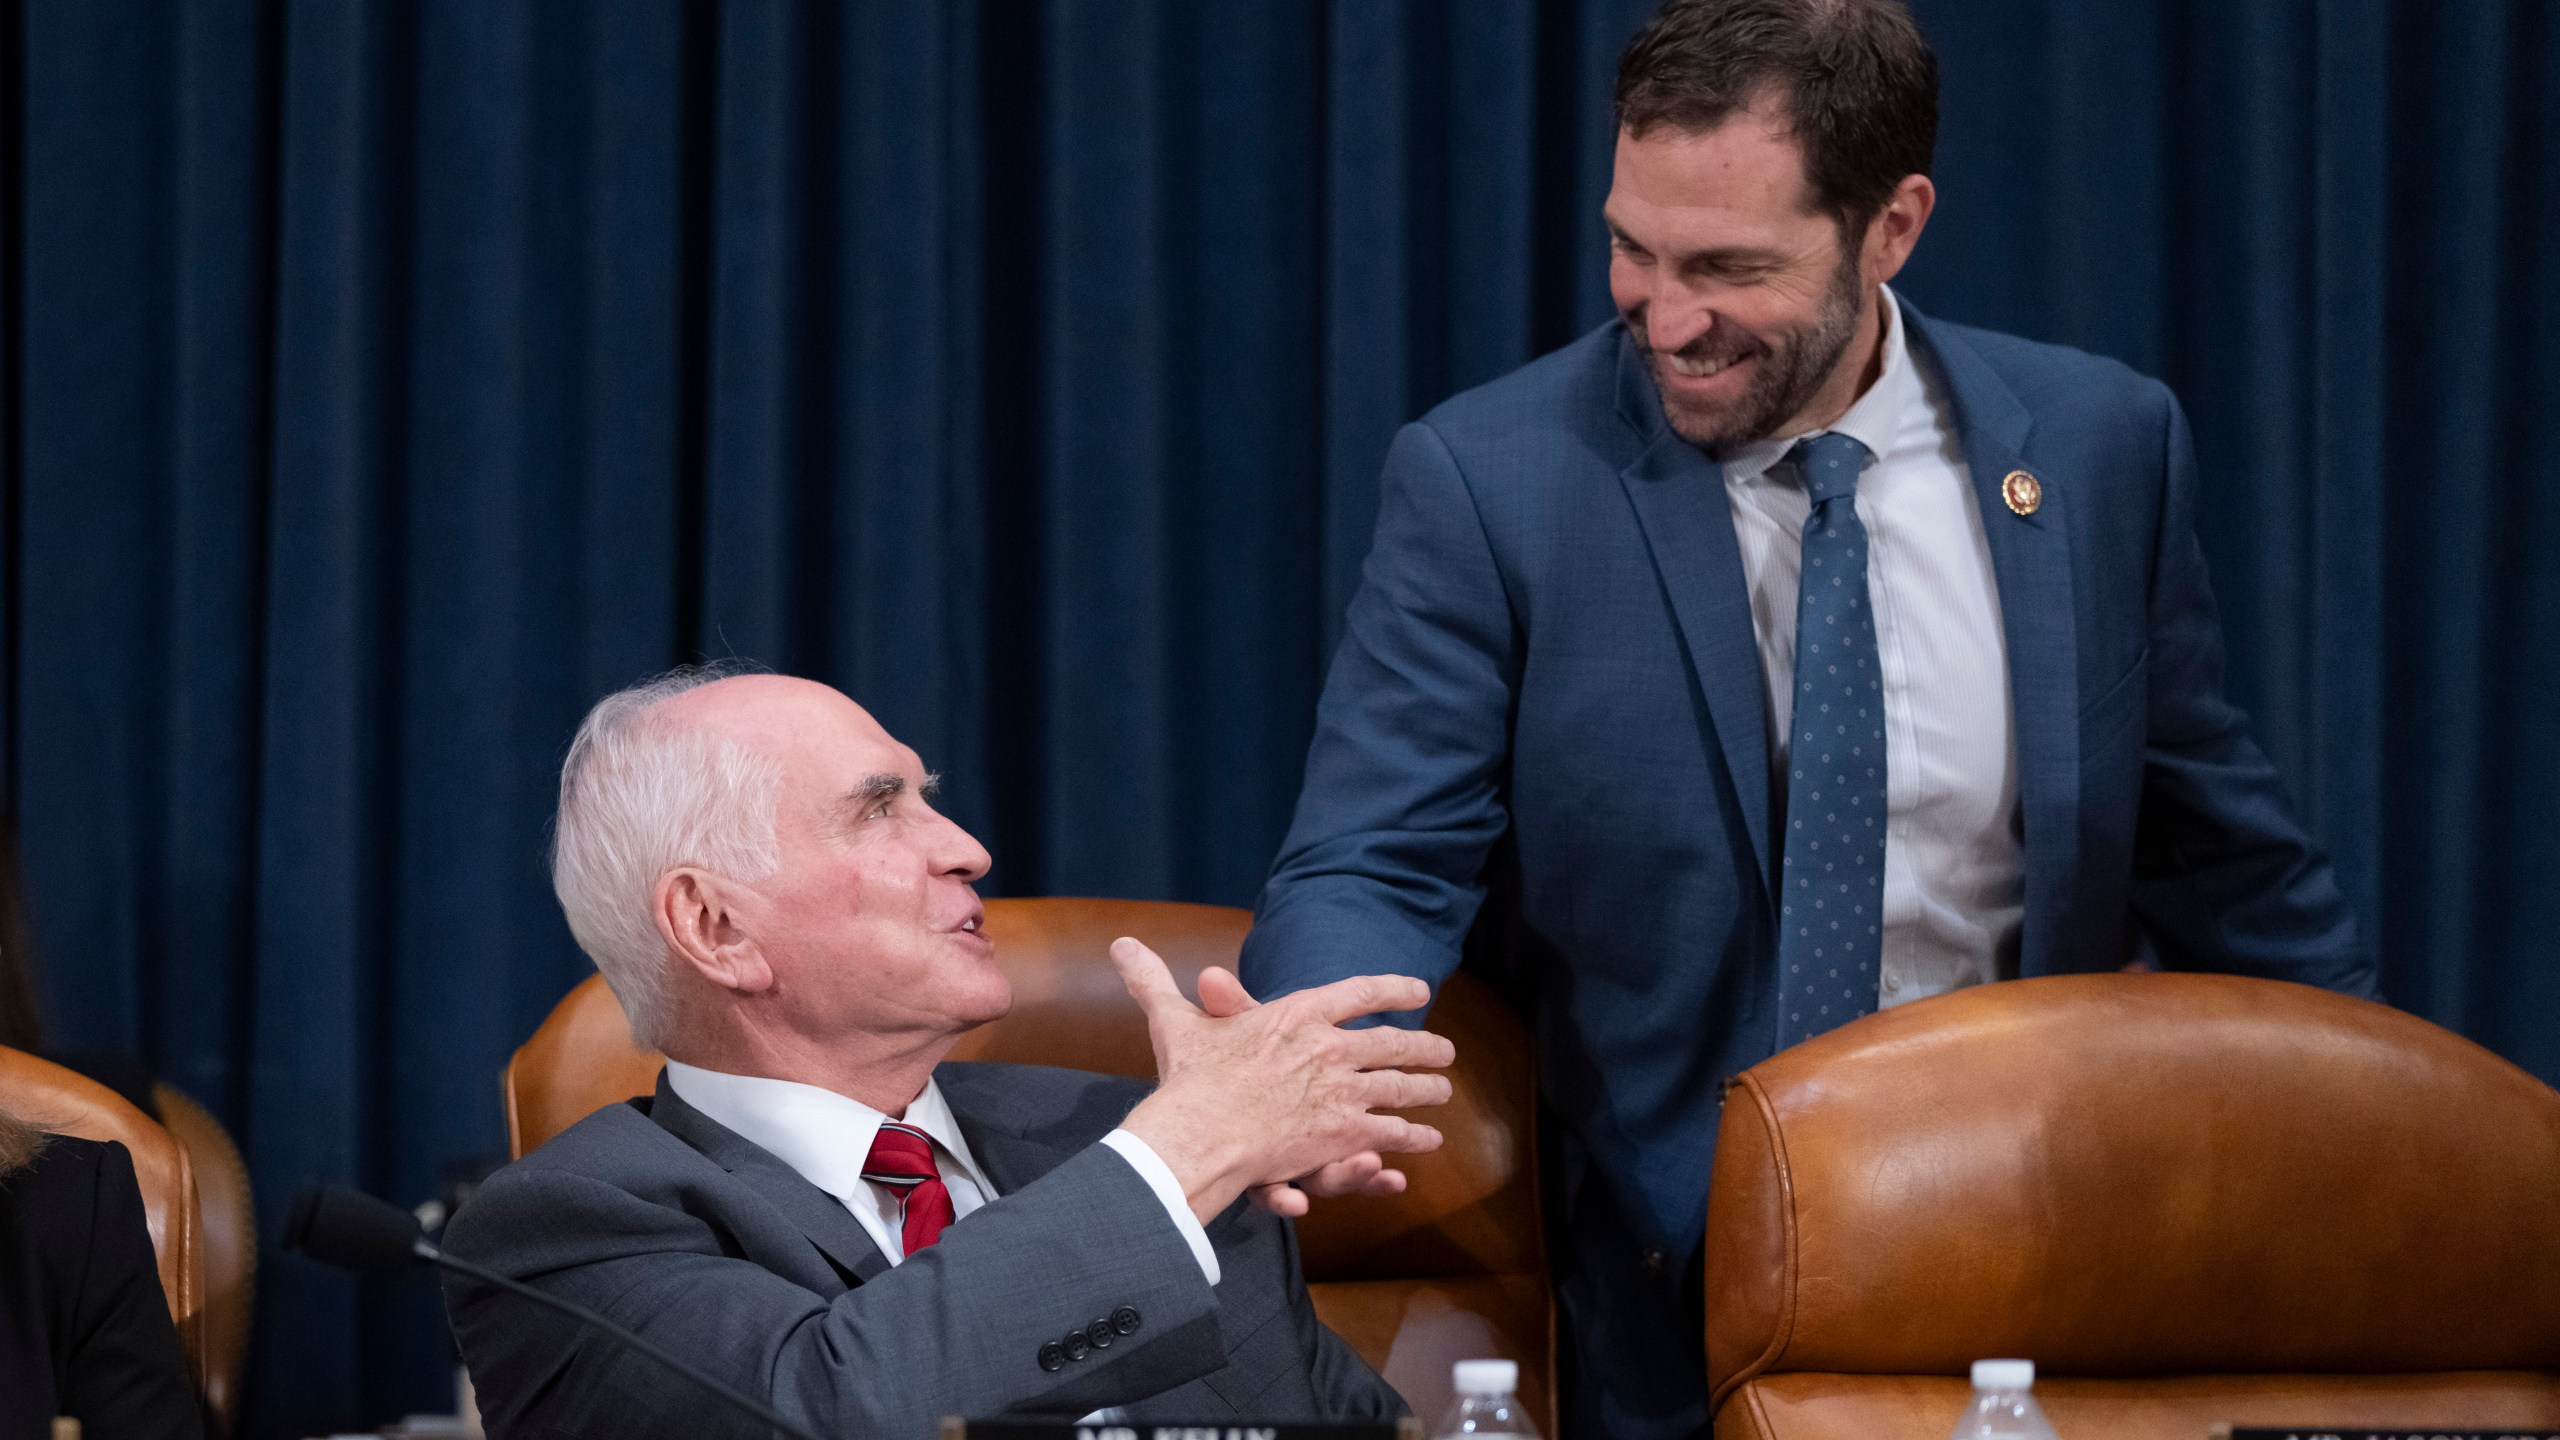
(1954,868)
(825,1137)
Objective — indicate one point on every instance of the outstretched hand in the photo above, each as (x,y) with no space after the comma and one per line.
(1367,1173)
(1254,1096)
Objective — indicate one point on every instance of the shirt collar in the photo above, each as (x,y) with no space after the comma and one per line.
(1874,419)
(821,1135)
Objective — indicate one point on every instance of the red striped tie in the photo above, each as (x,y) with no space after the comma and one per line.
(902,1163)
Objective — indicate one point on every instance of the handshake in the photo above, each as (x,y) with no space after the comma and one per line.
(1279,1100)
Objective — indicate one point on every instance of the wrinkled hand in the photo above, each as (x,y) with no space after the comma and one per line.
(1222,995)
(1260,1095)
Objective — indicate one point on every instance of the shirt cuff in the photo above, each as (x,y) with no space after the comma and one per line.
(1142,1157)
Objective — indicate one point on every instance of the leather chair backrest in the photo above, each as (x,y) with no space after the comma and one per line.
(2237,1182)
(228,1229)
(1454,1268)
(68,1103)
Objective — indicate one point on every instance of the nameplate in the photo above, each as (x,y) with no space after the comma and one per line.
(957,1429)
(2364,1432)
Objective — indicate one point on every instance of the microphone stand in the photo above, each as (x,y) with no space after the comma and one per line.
(431,1253)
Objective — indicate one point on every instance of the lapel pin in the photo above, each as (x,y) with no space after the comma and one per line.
(2023,492)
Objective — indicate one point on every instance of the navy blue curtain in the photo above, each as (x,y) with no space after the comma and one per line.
(385,381)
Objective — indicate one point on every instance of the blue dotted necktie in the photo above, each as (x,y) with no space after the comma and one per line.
(1831,884)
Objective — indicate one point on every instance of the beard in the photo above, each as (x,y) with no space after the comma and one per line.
(1793,367)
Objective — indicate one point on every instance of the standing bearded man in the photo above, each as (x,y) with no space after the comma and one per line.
(1770,655)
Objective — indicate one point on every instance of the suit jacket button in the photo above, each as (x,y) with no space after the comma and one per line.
(1077,1346)
(1655,1262)
(1099,1332)
(1052,1357)
(1125,1320)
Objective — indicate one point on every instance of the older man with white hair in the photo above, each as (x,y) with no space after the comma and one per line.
(830,1217)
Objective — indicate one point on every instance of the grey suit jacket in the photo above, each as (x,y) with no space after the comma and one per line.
(675,1226)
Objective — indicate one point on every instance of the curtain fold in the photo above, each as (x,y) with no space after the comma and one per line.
(386,381)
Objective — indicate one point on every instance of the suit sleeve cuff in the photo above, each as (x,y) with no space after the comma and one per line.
(1151,1168)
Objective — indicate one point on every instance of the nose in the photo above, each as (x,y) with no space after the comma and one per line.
(1666,308)
(959,855)
(1674,317)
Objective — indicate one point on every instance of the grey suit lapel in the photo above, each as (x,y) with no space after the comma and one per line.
(2031,559)
(815,1213)
(1680,502)
(1009,1158)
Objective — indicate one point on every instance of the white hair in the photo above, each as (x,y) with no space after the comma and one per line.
(640,797)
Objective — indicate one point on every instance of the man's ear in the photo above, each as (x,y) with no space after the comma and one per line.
(696,915)
(1896,228)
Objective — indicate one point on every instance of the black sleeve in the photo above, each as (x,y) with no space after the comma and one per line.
(1347,1390)
(121,1373)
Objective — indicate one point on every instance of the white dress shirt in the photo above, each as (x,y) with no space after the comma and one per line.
(1954,871)
(826,1137)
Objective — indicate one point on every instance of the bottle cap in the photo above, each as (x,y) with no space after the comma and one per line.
(2003,1374)
(1487,1377)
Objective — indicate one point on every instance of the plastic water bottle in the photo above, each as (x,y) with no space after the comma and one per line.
(2004,1404)
(1487,1403)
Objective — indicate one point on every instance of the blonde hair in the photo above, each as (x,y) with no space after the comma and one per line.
(19,1142)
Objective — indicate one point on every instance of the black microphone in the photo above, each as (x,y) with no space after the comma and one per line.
(355,1231)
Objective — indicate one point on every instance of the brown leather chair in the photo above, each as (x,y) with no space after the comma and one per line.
(48,1096)
(1452,1269)
(2189,1199)
(228,1231)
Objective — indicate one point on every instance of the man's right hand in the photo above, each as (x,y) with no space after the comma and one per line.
(1279,1090)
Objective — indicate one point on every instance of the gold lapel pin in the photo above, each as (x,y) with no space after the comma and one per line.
(2023,492)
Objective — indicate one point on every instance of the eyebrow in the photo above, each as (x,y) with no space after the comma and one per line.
(1744,255)
(887,786)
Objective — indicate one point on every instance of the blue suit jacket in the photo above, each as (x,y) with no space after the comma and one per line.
(1550,682)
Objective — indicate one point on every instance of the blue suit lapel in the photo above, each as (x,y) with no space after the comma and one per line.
(1679,499)
(2031,560)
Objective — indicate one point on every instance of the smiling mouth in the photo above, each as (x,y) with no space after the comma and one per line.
(1700,367)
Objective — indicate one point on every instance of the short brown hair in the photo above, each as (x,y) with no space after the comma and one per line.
(1859,83)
